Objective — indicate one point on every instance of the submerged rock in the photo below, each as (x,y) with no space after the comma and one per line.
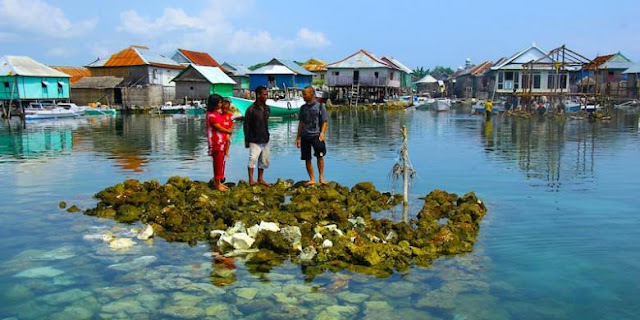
(328,227)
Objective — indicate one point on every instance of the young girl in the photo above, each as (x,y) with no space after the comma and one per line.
(216,139)
(227,123)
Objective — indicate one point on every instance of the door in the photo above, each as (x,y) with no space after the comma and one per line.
(356,76)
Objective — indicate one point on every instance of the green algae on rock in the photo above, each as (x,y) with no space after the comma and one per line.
(328,227)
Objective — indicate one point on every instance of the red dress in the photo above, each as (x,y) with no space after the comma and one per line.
(215,139)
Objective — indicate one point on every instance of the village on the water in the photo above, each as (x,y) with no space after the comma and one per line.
(139,79)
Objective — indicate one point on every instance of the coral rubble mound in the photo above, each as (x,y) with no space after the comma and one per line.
(322,227)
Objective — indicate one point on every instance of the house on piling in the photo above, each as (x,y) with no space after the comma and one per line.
(278,74)
(147,75)
(476,81)
(406,75)
(23,80)
(240,74)
(427,84)
(606,72)
(633,81)
(363,76)
(319,69)
(198,82)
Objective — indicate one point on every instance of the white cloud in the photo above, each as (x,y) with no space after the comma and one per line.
(38,17)
(7,36)
(312,39)
(212,28)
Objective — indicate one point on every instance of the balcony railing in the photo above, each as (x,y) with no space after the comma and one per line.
(364,81)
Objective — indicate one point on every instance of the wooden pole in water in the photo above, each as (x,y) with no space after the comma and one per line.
(405,167)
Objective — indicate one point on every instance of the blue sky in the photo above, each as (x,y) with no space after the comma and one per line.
(418,33)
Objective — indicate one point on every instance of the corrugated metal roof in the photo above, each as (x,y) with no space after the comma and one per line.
(212,74)
(633,69)
(399,64)
(427,79)
(359,60)
(599,60)
(76,73)
(25,66)
(139,56)
(529,54)
(616,61)
(481,68)
(238,70)
(281,66)
(107,82)
(201,59)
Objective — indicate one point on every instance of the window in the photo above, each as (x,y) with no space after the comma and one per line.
(191,88)
(551,81)
(45,83)
(322,77)
(391,75)
(525,81)
(375,74)
(500,80)
(6,84)
(155,73)
(536,81)
(60,87)
(336,73)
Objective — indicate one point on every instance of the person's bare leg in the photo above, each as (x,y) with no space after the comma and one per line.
(321,170)
(251,181)
(261,179)
(312,178)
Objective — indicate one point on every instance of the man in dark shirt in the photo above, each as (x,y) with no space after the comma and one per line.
(256,135)
(311,130)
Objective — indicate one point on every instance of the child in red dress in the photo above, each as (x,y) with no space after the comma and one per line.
(217,137)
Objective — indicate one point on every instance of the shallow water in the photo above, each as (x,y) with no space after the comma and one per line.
(560,239)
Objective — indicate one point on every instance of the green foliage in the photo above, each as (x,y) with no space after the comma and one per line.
(258,65)
(420,72)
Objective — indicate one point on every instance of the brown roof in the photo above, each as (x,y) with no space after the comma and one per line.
(201,59)
(597,61)
(140,56)
(107,82)
(481,68)
(76,73)
(315,65)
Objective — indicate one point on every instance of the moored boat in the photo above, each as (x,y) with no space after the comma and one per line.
(279,108)
(37,110)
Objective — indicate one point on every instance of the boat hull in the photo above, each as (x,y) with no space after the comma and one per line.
(280,108)
(100,112)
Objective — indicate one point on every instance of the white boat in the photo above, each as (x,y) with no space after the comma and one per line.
(79,110)
(629,105)
(443,104)
(169,108)
(285,107)
(38,110)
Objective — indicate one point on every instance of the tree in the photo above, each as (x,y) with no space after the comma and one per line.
(420,72)
(438,71)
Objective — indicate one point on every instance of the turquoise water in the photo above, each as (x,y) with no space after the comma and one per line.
(560,239)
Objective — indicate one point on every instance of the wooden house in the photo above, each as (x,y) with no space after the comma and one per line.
(607,72)
(406,81)
(364,73)
(239,74)
(105,90)
(198,82)
(23,79)
(319,69)
(427,84)
(147,75)
(529,71)
(278,74)
(633,81)
(187,57)
(475,81)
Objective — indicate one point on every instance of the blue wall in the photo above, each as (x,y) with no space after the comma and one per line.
(33,88)
(299,81)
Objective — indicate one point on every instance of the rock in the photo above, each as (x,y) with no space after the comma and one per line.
(62,205)
(40,272)
(61,253)
(145,233)
(137,263)
(353,297)
(307,254)
(121,244)
(246,293)
(327,244)
(242,241)
(291,234)
(65,297)
(269,226)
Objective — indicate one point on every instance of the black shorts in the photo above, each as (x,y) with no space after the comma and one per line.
(319,147)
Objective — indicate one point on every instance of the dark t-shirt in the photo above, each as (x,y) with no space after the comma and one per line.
(256,124)
(311,116)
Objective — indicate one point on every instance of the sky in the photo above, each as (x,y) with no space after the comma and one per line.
(418,33)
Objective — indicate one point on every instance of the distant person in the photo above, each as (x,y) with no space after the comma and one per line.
(488,109)
(311,134)
(217,136)
(256,135)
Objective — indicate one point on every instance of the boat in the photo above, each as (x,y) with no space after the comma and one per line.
(169,108)
(629,105)
(422,102)
(442,104)
(478,108)
(279,108)
(39,110)
(79,110)
(96,109)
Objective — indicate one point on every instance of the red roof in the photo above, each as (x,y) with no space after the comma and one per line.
(140,56)
(481,68)
(597,62)
(201,59)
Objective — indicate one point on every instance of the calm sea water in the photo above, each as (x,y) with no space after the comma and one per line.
(560,240)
